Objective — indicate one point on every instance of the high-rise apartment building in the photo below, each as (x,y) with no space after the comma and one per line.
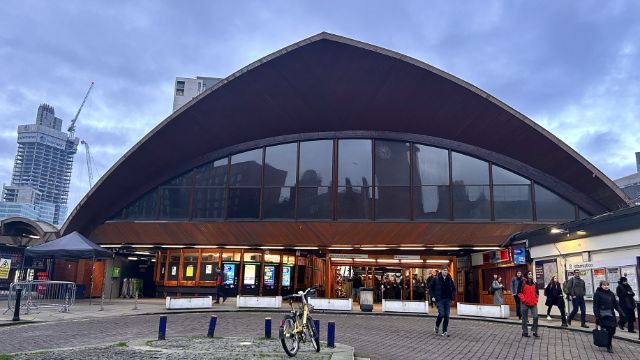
(630,184)
(41,171)
(188,88)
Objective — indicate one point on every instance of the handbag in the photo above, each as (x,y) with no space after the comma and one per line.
(606,313)
(600,337)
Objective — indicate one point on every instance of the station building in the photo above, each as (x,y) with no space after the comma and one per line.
(329,158)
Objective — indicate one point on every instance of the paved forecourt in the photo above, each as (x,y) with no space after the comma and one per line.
(379,337)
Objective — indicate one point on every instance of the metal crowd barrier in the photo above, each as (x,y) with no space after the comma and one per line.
(37,295)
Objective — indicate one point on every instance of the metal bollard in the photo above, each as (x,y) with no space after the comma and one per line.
(331,334)
(212,326)
(135,304)
(267,328)
(316,323)
(16,309)
(162,329)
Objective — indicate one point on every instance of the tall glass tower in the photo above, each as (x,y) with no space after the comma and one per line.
(42,170)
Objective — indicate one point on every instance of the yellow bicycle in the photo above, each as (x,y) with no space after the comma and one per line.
(298,326)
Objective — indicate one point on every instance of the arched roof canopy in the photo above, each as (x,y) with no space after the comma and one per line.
(329,83)
(26,232)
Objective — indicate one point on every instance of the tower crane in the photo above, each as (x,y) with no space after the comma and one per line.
(72,125)
(90,164)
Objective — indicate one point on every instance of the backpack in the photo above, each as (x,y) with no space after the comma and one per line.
(492,290)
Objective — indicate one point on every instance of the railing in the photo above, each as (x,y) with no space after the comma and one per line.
(37,295)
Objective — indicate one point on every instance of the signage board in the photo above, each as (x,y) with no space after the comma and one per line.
(588,265)
(286,276)
(545,270)
(115,272)
(269,275)
(519,255)
(406,257)
(349,256)
(5,266)
(230,271)
(249,274)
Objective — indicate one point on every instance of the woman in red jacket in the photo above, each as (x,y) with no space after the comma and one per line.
(528,294)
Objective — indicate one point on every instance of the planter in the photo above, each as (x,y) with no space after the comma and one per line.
(484,310)
(199,302)
(421,307)
(272,302)
(331,304)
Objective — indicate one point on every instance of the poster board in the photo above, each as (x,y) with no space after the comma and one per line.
(230,271)
(613,275)
(286,276)
(189,271)
(269,275)
(208,269)
(5,267)
(545,270)
(249,274)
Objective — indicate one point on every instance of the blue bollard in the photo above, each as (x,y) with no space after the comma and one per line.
(316,323)
(212,326)
(162,329)
(331,334)
(267,328)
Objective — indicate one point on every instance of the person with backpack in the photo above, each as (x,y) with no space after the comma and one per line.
(515,285)
(604,302)
(627,304)
(553,292)
(576,289)
(528,294)
(497,290)
(221,278)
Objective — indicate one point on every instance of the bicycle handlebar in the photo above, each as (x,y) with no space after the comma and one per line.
(299,294)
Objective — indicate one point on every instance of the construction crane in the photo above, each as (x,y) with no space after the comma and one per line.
(72,125)
(90,164)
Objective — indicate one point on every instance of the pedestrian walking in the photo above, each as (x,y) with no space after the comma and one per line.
(576,289)
(443,291)
(528,294)
(627,304)
(604,304)
(498,290)
(355,290)
(554,295)
(515,285)
(220,280)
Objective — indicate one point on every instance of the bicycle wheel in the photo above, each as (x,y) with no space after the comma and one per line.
(288,337)
(313,334)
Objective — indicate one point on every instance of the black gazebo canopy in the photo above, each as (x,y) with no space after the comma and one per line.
(73,246)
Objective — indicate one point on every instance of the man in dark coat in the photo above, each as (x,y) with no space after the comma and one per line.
(576,289)
(604,302)
(442,292)
(627,304)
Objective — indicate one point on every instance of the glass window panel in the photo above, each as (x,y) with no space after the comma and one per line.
(315,203)
(208,266)
(174,203)
(316,163)
(189,267)
(174,264)
(512,202)
(467,170)
(244,203)
(431,202)
(212,174)
(246,168)
(354,163)
(280,168)
(252,257)
(393,202)
(431,165)
(278,203)
(209,203)
(505,177)
(392,163)
(210,256)
(551,207)
(354,202)
(182,180)
(471,203)
(270,258)
(144,208)
(231,256)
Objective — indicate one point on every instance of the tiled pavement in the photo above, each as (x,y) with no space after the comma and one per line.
(379,337)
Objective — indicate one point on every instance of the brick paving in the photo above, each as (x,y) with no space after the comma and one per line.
(378,337)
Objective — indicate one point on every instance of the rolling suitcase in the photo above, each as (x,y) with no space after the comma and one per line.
(600,337)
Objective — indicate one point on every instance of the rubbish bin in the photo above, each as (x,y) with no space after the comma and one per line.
(366,299)
(80,288)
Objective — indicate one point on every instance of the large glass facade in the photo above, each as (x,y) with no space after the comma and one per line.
(366,179)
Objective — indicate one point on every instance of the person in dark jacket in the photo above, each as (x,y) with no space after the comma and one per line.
(576,289)
(604,302)
(442,292)
(627,304)
(528,294)
(553,292)
(515,285)
(220,280)
(355,290)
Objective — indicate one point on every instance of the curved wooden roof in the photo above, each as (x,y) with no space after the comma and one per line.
(328,83)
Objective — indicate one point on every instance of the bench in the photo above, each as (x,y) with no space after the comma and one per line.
(191,302)
(259,302)
(406,306)
(483,310)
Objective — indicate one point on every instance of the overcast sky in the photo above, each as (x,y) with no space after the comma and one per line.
(572,67)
